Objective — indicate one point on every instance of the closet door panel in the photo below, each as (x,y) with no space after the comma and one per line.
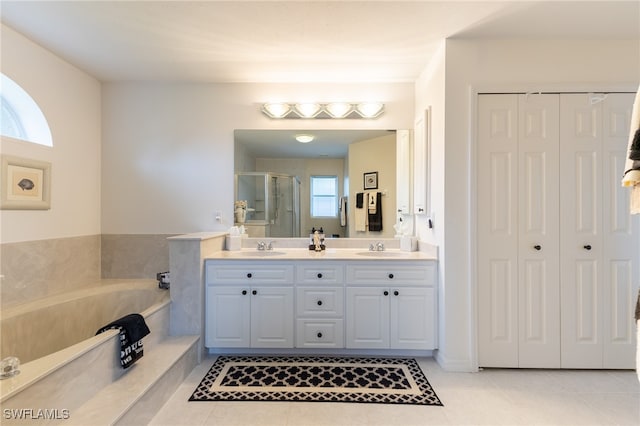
(581,231)
(497,231)
(538,227)
(621,239)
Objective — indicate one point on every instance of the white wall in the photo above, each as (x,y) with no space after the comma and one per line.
(517,65)
(168,148)
(430,93)
(70,101)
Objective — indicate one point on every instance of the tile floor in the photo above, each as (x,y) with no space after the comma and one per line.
(490,397)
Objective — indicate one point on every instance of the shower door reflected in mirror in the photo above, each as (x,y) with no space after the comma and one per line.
(273,203)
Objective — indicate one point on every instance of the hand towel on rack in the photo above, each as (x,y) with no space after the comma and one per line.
(132,329)
(632,165)
(373,202)
(343,211)
(375,219)
(360,215)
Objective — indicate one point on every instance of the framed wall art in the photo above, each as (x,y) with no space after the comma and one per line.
(24,184)
(371,180)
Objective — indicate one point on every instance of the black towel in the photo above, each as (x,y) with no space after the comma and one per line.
(132,329)
(359,200)
(375,219)
(634,149)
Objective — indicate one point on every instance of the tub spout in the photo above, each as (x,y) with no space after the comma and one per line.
(9,367)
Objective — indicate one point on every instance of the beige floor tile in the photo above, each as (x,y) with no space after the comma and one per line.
(490,397)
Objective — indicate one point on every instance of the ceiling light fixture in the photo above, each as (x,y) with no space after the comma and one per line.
(337,110)
(304,138)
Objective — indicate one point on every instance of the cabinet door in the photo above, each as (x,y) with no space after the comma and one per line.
(367,316)
(421,169)
(403,171)
(272,317)
(228,316)
(412,318)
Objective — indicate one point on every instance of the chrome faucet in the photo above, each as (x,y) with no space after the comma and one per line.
(261,245)
(271,243)
(379,246)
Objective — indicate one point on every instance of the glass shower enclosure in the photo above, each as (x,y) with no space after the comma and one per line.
(273,203)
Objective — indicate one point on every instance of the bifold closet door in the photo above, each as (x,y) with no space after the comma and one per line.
(600,243)
(518,293)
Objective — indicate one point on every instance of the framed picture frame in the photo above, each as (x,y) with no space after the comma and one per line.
(371,180)
(25,184)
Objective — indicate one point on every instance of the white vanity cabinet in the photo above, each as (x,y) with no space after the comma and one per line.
(319,305)
(249,304)
(391,305)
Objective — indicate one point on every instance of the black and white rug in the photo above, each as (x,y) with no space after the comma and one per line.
(316,379)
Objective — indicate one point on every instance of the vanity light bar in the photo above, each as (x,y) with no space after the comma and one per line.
(323,110)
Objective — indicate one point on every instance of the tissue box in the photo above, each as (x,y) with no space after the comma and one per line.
(233,242)
(408,243)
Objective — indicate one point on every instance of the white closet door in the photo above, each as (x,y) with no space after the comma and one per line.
(581,224)
(621,245)
(600,243)
(538,226)
(497,230)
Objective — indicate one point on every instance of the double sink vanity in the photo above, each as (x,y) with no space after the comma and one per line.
(290,297)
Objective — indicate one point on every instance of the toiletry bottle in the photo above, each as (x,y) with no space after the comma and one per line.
(311,245)
(321,232)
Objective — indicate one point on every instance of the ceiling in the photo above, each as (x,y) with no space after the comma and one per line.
(293,41)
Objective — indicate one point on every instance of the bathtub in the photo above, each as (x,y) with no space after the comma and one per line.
(51,334)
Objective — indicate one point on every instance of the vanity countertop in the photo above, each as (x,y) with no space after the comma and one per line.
(328,254)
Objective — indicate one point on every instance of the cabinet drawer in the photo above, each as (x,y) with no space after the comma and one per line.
(319,333)
(320,273)
(320,301)
(392,273)
(248,273)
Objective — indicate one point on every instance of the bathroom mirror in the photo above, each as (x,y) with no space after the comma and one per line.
(273,173)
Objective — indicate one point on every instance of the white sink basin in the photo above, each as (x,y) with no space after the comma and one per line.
(261,253)
(380,253)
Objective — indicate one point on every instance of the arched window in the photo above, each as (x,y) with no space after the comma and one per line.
(21,117)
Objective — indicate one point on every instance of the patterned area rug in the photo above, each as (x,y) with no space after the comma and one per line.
(316,379)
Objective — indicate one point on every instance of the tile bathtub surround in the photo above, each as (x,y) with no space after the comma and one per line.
(37,269)
(134,255)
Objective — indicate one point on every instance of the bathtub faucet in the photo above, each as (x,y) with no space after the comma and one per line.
(163,280)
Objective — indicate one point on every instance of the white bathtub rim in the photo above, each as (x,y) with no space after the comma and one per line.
(36,370)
